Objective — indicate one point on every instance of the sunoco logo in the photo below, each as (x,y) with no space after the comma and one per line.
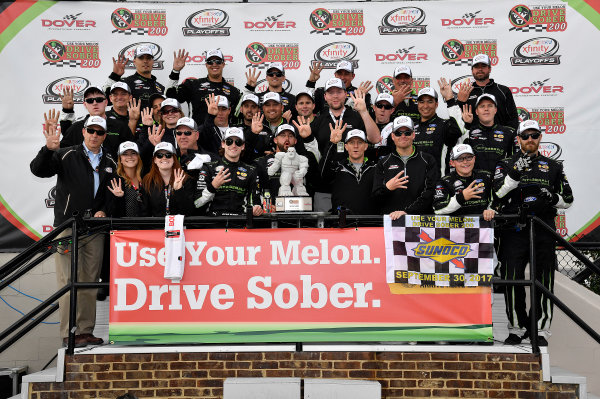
(271,23)
(402,56)
(262,86)
(537,88)
(139,22)
(403,21)
(456,83)
(259,54)
(536,51)
(441,250)
(330,54)
(208,22)
(551,120)
(550,150)
(72,54)
(385,84)
(55,89)
(129,53)
(468,20)
(337,22)
(546,17)
(456,52)
(69,22)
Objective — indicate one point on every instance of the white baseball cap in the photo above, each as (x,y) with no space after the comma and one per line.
(120,85)
(170,102)
(276,65)
(94,89)
(403,121)
(95,120)
(185,121)
(334,82)
(427,91)
(141,50)
(250,97)
(214,53)
(481,59)
(344,65)
(223,102)
(356,133)
(234,132)
(128,145)
(306,92)
(283,128)
(271,96)
(387,97)
(164,146)
(402,69)
(529,124)
(460,149)
(486,96)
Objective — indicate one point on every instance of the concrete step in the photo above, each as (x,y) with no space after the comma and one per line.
(561,376)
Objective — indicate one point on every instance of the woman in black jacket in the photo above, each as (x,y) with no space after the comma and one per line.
(127,188)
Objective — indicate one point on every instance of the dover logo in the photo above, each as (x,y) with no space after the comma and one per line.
(550,119)
(456,83)
(272,23)
(72,54)
(139,22)
(69,22)
(468,20)
(560,221)
(402,56)
(337,22)
(403,21)
(55,89)
(263,85)
(129,53)
(537,88)
(330,54)
(259,54)
(200,59)
(546,17)
(208,22)
(550,150)
(385,84)
(456,52)
(441,250)
(536,51)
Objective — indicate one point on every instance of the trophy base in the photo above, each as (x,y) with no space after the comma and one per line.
(293,204)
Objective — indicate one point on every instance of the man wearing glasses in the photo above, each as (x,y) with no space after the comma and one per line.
(229,185)
(196,91)
(529,183)
(275,79)
(406,178)
(83,173)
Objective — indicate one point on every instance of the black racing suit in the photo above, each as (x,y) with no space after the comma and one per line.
(437,136)
(230,198)
(417,198)
(407,107)
(491,144)
(195,91)
(449,200)
(319,96)
(522,192)
(141,88)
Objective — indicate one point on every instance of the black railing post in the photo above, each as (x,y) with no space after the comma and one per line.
(73,290)
(533,330)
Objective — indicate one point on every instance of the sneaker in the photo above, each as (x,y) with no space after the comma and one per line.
(513,339)
(79,342)
(542,341)
(91,340)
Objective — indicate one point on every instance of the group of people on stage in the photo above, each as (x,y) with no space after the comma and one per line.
(393,155)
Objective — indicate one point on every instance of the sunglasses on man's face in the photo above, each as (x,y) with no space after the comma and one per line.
(274,74)
(167,155)
(186,132)
(230,141)
(526,136)
(399,133)
(214,62)
(170,111)
(384,106)
(92,100)
(97,132)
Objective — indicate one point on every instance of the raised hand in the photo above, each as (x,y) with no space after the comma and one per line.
(358,98)
(155,134)
(67,98)
(221,178)
(115,188)
(303,127)
(337,131)
(464,90)
(257,122)
(52,136)
(133,109)
(179,58)
(315,71)
(365,87)
(287,115)
(252,77)
(212,104)
(472,191)
(445,89)
(119,65)
(147,117)
(467,113)
(401,94)
(51,120)
(397,182)
(178,180)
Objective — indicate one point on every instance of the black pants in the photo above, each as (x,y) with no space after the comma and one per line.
(513,254)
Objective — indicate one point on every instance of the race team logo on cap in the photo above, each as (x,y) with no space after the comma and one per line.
(403,121)
(344,65)
(120,85)
(214,53)
(250,97)
(482,59)
(95,121)
(207,22)
(529,124)
(276,65)
(356,133)
(460,149)
(170,102)
(233,132)
(128,145)
(164,146)
(334,82)
(285,127)
(387,97)
(402,69)
(189,122)
(223,102)
(129,53)
(272,96)
(428,91)
(485,96)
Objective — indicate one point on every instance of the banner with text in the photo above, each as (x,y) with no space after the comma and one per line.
(280,285)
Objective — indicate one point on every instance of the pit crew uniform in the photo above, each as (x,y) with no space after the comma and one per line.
(491,144)
(449,200)
(437,136)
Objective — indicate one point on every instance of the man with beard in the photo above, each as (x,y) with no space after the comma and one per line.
(532,184)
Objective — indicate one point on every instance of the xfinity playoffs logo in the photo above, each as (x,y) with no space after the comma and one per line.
(69,22)
(208,22)
(72,54)
(402,56)
(455,84)
(200,59)
(468,20)
(536,51)
(547,17)
(550,150)
(139,22)
(551,120)
(538,88)
(457,52)
(403,21)
(55,89)
(260,54)
(262,86)
(271,23)
(385,84)
(332,53)
(129,53)
(337,22)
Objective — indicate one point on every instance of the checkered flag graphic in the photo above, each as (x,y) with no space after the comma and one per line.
(132,31)
(260,66)
(534,28)
(330,31)
(68,63)
(403,236)
(464,61)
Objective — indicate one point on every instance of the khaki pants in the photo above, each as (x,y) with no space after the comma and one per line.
(89,263)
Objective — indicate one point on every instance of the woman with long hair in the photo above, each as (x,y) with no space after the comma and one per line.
(170,112)
(168,189)
(127,189)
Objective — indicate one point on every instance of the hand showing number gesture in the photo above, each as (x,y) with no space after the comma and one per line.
(303,127)
(179,58)
(252,77)
(337,131)
(257,122)
(115,188)
(119,65)
(67,98)
(179,177)
(155,134)
(212,104)
(467,113)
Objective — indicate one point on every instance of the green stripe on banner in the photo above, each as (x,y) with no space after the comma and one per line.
(14,214)
(144,334)
(23,20)
(584,228)
(590,12)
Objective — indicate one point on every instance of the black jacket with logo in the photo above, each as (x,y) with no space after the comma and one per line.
(491,144)
(319,96)
(431,136)
(449,200)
